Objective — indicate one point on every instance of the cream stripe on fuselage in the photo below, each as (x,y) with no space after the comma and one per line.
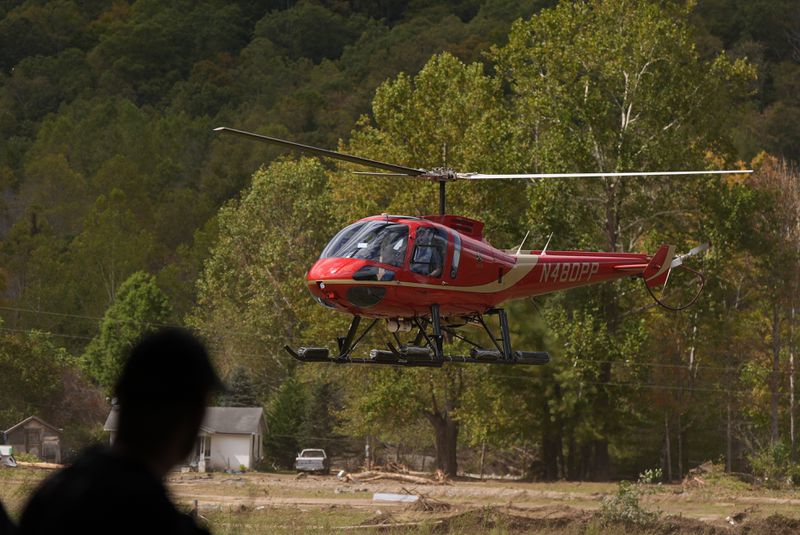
(524,265)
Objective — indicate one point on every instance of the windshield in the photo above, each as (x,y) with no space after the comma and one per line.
(379,241)
(312,453)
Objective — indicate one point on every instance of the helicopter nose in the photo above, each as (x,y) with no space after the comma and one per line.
(330,269)
(347,283)
(366,296)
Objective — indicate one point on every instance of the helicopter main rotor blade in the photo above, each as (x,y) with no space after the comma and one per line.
(479,176)
(324,152)
(368,173)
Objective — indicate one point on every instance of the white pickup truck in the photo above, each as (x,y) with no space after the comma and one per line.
(313,460)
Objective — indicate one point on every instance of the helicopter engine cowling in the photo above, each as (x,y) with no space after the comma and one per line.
(398,325)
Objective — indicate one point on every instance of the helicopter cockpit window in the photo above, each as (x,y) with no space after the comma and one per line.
(456,255)
(379,241)
(429,252)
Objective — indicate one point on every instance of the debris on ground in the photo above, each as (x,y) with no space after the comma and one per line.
(373,475)
(394,497)
(344,476)
(693,482)
(393,466)
(428,504)
(44,466)
(349,490)
(380,519)
(697,476)
(774,524)
(738,518)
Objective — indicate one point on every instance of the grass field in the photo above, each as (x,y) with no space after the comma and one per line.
(258,503)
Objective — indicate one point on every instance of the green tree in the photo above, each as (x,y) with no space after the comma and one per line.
(139,307)
(37,377)
(610,86)
(34,268)
(241,390)
(155,44)
(449,113)
(321,418)
(32,29)
(31,367)
(289,29)
(285,416)
(256,271)
(111,247)
(447,104)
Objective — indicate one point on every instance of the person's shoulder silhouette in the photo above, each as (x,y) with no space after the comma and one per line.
(6,526)
(162,393)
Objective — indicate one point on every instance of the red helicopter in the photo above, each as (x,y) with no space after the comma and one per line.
(425,277)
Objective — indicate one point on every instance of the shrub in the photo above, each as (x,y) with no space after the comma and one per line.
(651,477)
(27,457)
(773,467)
(624,507)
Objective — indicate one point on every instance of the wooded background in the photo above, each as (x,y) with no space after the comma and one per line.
(121,210)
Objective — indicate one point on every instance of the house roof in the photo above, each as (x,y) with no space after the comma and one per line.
(29,419)
(229,420)
(233,420)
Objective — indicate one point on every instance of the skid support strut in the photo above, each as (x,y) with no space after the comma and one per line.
(507,354)
(345,342)
(438,350)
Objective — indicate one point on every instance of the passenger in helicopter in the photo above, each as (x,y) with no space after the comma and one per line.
(428,253)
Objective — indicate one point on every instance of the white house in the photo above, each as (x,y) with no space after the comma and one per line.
(229,438)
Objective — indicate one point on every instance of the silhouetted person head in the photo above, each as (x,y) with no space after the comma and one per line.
(162,392)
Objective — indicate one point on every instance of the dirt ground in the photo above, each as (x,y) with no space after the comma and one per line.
(284,503)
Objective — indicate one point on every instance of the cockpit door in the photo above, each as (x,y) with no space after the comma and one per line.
(430,252)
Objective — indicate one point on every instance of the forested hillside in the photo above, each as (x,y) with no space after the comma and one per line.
(121,210)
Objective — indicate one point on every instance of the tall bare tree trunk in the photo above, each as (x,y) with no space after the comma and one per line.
(728,439)
(602,460)
(551,445)
(680,446)
(667,452)
(774,383)
(483,457)
(791,383)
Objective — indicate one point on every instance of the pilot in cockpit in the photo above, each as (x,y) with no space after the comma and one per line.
(393,246)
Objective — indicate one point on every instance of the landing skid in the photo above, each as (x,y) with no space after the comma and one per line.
(427,347)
